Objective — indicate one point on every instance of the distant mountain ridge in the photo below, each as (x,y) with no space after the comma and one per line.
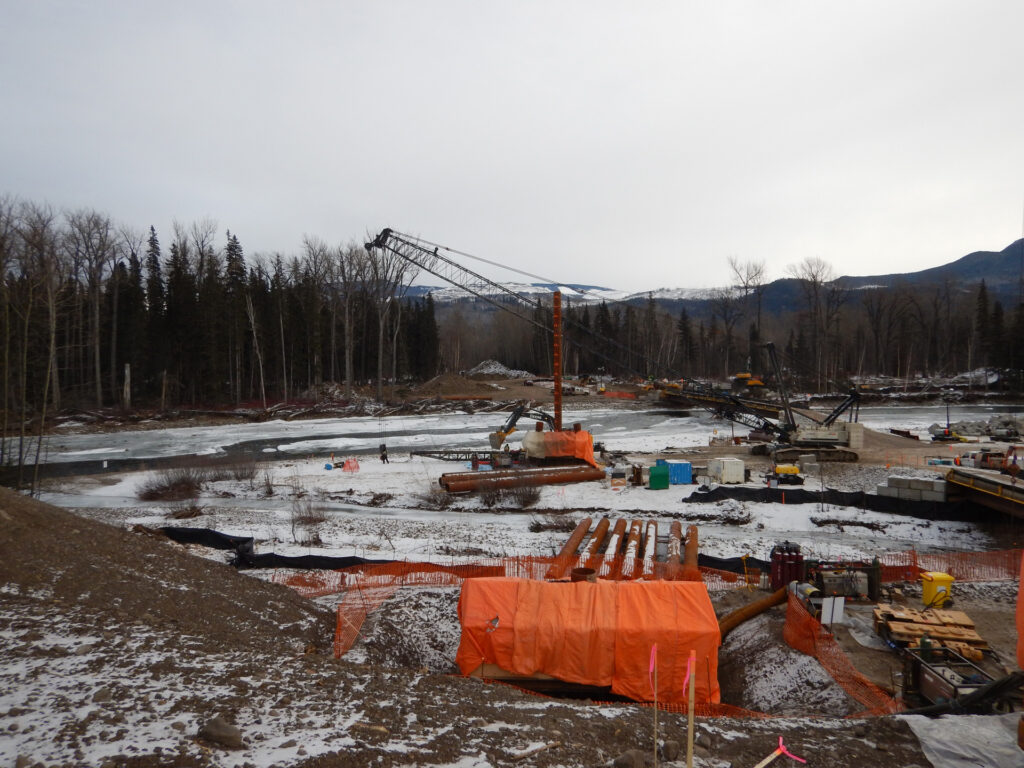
(1002,272)
(996,268)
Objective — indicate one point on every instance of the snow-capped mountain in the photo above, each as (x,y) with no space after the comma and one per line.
(573,292)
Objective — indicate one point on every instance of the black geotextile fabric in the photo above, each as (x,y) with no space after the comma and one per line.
(929,510)
(246,558)
(208,538)
(302,562)
(732,564)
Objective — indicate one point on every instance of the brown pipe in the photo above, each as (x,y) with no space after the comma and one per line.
(728,623)
(650,549)
(632,549)
(597,541)
(614,543)
(557,569)
(675,550)
(690,570)
(462,482)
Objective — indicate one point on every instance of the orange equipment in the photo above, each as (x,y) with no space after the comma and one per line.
(597,634)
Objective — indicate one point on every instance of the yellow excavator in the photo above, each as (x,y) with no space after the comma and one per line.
(498,437)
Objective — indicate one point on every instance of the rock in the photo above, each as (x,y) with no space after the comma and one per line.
(178,725)
(101,696)
(860,731)
(220,731)
(631,758)
(702,752)
(22,762)
(669,750)
(288,744)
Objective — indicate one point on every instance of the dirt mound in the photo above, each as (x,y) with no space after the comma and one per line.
(132,576)
(494,369)
(452,384)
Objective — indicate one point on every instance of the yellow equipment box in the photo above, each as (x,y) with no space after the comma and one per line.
(936,588)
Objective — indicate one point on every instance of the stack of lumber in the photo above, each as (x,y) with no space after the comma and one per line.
(906,626)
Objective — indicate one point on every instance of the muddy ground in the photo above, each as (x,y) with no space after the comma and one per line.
(121,648)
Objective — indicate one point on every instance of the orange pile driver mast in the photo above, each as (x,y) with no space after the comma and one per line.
(556,348)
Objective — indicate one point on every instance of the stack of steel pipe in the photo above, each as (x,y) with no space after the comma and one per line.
(463,482)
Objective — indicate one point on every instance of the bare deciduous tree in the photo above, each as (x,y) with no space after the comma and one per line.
(93,247)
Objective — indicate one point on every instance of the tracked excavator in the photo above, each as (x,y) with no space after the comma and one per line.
(498,437)
(829,441)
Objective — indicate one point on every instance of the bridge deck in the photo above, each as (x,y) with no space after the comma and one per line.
(988,488)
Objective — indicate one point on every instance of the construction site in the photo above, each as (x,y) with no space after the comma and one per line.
(600,573)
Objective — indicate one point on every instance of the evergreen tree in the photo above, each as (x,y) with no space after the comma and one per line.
(606,331)
(156,308)
(237,322)
(998,353)
(180,322)
(685,335)
(131,332)
(981,321)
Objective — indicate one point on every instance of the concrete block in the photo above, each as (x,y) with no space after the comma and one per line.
(856,432)
(899,482)
(885,490)
(933,496)
(910,494)
(811,469)
(921,484)
(807,458)
(939,485)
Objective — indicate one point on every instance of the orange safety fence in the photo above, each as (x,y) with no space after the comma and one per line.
(804,633)
(963,566)
(621,395)
(364,588)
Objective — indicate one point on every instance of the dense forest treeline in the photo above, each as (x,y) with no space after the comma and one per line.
(904,330)
(96,314)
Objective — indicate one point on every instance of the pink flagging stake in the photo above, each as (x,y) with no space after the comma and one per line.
(780,751)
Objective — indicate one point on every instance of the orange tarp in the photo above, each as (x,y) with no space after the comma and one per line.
(593,634)
(546,445)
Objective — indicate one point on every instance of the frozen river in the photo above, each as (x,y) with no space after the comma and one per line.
(642,430)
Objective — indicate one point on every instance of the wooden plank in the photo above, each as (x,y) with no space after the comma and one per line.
(953,618)
(904,630)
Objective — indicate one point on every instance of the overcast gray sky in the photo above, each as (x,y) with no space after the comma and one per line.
(634,145)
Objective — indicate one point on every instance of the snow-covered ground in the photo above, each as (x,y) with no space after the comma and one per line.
(386,511)
(391,510)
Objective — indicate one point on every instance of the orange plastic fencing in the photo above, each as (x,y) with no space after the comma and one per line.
(364,588)
(998,565)
(806,634)
(621,395)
